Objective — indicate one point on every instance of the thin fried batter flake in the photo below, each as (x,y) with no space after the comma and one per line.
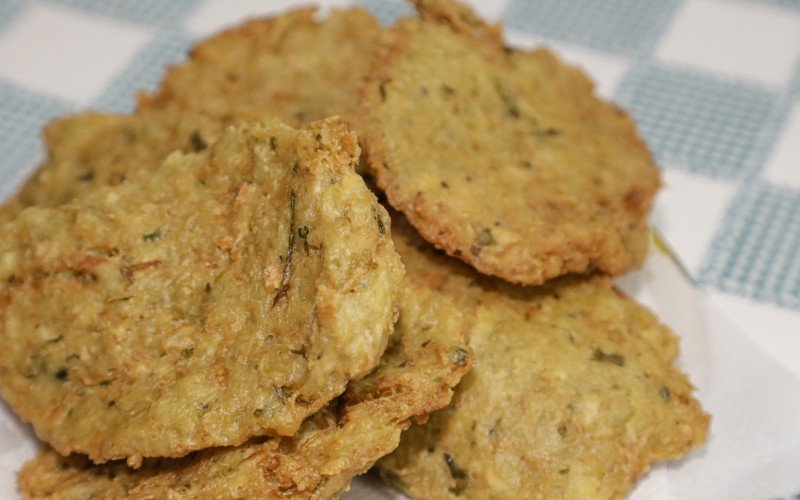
(93,149)
(428,355)
(291,66)
(505,159)
(573,392)
(230,293)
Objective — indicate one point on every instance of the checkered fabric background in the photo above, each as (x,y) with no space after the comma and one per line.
(714,85)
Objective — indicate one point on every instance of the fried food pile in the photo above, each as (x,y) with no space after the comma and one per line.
(323,246)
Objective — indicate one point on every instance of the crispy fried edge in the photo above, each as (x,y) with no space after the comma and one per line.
(566,258)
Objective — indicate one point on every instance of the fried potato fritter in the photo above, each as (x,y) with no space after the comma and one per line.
(427,356)
(505,159)
(573,393)
(290,66)
(230,293)
(90,150)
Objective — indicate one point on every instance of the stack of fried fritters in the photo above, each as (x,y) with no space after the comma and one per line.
(201,301)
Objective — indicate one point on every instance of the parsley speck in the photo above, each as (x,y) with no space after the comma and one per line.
(155,235)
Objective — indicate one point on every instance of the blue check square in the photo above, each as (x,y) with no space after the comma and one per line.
(23,113)
(705,124)
(8,12)
(386,11)
(164,13)
(621,26)
(756,252)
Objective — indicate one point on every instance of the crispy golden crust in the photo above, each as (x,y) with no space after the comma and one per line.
(505,159)
(573,392)
(93,149)
(427,357)
(229,293)
(291,66)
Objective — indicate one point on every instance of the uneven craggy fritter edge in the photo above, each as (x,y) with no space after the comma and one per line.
(570,196)
(91,150)
(292,66)
(461,19)
(170,313)
(428,355)
(573,392)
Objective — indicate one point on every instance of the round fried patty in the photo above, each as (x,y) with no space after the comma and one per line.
(573,393)
(292,66)
(427,356)
(229,293)
(505,159)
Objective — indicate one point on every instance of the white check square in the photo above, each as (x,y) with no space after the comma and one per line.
(65,52)
(491,11)
(752,40)
(688,211)
(215,15)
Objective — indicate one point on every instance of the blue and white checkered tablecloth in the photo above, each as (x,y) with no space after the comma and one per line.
(713,84)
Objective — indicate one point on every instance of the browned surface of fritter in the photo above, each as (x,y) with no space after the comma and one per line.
(505,159)
(427,356)
(229,293)
(573,393)
(291,66)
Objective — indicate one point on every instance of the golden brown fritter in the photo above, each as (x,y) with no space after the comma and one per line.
(503,158)
(94,149)
(573,393)
(291,66)
(229,293)
(427,357)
